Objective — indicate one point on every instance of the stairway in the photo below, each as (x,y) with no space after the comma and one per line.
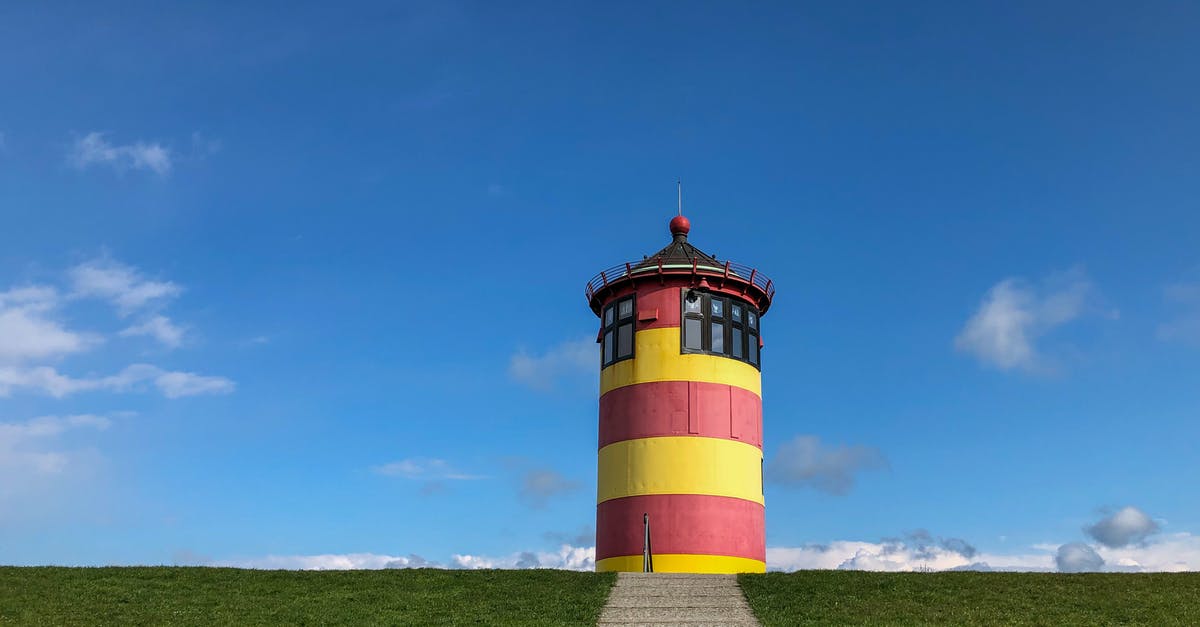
(676,599)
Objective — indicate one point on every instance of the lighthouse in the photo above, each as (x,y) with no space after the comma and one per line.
(680,464)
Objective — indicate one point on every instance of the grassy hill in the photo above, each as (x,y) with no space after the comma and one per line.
(972,598)
(227,596)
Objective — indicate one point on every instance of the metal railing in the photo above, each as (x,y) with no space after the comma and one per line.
(648,267)
(647,554)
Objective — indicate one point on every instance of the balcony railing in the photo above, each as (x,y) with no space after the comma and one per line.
(652,267)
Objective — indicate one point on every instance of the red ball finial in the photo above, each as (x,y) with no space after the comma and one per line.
(680,225)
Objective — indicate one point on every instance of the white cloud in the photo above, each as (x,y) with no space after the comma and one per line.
(1015,314)
(120,284)
(1125,526)
(1077,557)
(897,556)
(541,372)
(48,471)
(422,468)
(160,328)
(1171,553)
(567,557)
(29,329)
(331,561)
(407,468)
(179,384)
(172,384)
(805,462)
(43,379)
(36,297)
(24,451)
(28,332)
(95,149)
(540,485)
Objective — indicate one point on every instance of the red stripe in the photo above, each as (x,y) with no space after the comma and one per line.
(682,523)
(663,293)
(658,306)
(663,408)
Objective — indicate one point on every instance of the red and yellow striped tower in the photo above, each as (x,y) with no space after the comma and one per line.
(680,411)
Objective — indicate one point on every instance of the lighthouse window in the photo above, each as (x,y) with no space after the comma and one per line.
(625,341)
(691,334)
(719,325)
(752,353)
(618,331)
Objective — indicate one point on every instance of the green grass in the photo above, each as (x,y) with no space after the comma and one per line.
(228,596)
(215,596)
(973,598)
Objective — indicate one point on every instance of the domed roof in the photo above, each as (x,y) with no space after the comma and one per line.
(680,250)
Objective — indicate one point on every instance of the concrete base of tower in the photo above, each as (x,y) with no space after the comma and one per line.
(677,563)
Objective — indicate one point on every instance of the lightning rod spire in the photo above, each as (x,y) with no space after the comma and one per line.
(679,188)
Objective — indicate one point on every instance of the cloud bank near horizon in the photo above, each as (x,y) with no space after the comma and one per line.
(1175,553)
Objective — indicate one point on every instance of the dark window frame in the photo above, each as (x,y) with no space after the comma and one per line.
(706,318)
(614,327)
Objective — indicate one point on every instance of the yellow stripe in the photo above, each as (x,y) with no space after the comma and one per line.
(680,465)
(657,358)
(708,564)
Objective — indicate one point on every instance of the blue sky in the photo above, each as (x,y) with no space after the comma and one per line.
(301,285)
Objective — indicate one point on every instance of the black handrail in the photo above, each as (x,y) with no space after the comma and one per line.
(727,270)
(647,554)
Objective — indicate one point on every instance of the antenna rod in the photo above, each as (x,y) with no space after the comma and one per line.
(679,185)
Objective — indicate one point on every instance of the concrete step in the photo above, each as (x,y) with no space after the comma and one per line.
(676,592)
(689,623)
(694,602)
(706,581)
(674,589)
(676,583)
(676,576)
(682,595)
(676,599)
(674,614)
